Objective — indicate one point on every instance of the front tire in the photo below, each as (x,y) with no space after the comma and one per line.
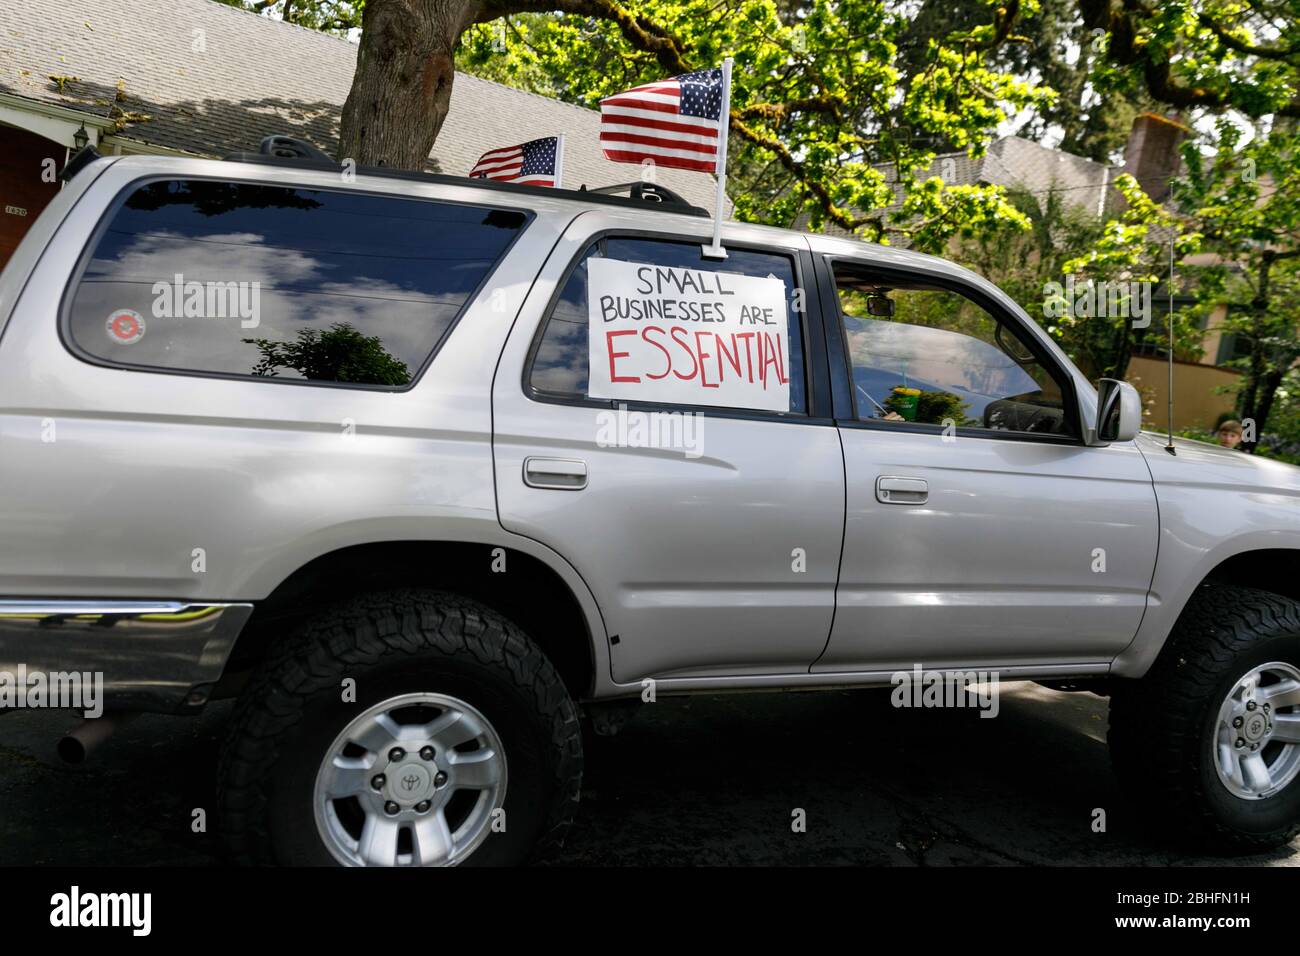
(1208,742)
(459,743)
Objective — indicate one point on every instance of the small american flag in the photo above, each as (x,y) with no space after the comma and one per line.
(535,163)
(672,122)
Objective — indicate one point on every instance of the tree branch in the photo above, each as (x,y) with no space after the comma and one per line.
(1126,48)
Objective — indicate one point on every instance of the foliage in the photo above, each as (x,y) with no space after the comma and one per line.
(339,354)
(1216,55)
(1135,248)
(1061,53)
(939,407)
(329,16)
(839,109)
(1246,199)
(1023,262)
(1282,440)
(821,99)
(1239,61)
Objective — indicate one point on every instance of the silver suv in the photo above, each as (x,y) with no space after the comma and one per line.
(431,474)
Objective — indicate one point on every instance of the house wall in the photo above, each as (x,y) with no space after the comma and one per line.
(1196,402)
(23,191)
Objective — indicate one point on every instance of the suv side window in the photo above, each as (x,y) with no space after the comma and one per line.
(244,279)
(928,355)
(707,356)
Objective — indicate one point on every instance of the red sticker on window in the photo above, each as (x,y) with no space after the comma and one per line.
(125,326)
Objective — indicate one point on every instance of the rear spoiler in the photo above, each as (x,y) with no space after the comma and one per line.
(79,161)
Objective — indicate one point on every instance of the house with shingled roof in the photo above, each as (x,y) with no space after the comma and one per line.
(194,77)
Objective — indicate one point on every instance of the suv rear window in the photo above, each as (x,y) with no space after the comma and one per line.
(245,279)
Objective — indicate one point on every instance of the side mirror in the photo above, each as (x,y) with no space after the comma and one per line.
(1119,411)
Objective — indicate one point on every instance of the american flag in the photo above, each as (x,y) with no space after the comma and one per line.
(672,122)
(534,163)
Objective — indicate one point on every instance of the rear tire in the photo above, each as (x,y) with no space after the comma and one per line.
(470,742)
(1208,742)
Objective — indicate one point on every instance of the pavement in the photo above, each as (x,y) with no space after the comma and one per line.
(717,780)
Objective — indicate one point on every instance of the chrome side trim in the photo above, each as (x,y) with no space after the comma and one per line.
(96,607)
(153,655)
(842,680)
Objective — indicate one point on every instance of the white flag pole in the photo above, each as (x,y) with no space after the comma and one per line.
(559,160)
(715,251)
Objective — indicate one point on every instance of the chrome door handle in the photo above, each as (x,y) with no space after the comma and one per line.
(569,474)
(902,491)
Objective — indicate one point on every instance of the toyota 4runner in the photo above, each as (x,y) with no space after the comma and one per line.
(427,471)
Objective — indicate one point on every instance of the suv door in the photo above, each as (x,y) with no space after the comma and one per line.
(980,529)
(700,495)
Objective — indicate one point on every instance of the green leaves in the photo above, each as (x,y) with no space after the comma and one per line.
(338,354)
(822,101)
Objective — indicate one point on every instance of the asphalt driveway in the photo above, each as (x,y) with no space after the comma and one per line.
(709,780)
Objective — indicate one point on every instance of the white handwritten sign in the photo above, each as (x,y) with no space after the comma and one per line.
(687,337)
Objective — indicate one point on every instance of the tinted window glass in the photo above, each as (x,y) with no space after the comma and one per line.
(560,367)
(268,281)
(931,356)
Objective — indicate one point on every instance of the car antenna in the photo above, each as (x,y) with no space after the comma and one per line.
(1171,448)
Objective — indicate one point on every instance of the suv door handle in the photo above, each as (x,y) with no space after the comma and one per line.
(569,474)
(902,491)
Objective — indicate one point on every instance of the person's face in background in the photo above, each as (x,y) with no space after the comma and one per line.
(1228,437)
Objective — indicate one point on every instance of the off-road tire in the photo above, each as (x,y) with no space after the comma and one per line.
(1162,725)
(391,643)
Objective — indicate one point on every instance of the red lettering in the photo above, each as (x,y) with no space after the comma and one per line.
(732,357)
(699,348)
(687,346)
(609,345)
(772,360)
(749,353)
(668,359)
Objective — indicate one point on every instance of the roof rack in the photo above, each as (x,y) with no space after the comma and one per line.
(300,154)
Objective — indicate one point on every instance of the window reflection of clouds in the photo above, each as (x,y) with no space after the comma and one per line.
(948,360)
(561,362)
(320,261)
(940,342)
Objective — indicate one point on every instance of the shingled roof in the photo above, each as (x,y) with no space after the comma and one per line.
(1013,163)
(135,61)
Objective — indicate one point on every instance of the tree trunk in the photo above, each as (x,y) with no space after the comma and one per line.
(1267,393)
(402,88)
(1121,351)
(1248,397)
(1259,367)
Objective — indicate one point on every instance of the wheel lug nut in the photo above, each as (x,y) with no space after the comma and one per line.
(426,753)
(1267,708)
(423,806)
(439,778)
(1251,705)
(396,754)
(1241,742)
(391,808)
(378,781)
(1237,721)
